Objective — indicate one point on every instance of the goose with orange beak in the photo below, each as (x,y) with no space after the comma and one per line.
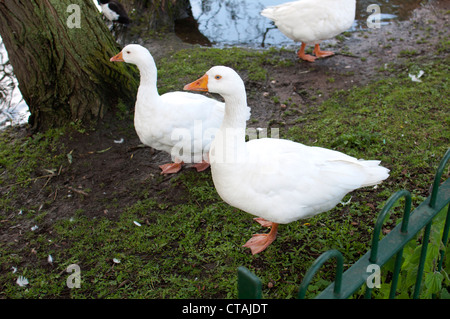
(182,124)
(277,180)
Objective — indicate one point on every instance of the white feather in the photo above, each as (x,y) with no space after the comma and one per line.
(22,281)
(109,14)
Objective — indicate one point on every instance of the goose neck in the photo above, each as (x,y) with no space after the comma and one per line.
(236,112)
(148,73)
(148,79)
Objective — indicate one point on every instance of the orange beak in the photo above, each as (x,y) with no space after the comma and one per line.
(117,58)
(199,85)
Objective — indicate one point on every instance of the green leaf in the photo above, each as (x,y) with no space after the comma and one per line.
(445,294)
(433,282)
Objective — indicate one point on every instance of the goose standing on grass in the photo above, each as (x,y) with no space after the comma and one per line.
(182,124)
(312,21)
(278,180)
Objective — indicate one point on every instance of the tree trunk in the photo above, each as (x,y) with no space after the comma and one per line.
(60,52)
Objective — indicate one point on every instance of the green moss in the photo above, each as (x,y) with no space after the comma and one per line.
(187,65)
(22,159)
(190,247)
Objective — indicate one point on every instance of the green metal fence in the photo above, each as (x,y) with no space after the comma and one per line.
(391,246)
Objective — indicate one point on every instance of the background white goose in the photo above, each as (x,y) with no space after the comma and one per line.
(182,124)
(312,21)
(278,180)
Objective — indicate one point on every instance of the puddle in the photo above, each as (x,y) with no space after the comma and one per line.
(238,22)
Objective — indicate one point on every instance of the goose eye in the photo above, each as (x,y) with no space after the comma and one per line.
(218,77)
(128,52)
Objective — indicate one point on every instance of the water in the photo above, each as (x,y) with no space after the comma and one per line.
(13,109)
(239,23)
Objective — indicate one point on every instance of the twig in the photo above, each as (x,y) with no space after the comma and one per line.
(78,191)
(350,55)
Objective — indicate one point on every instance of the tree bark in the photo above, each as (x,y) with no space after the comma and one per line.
(63,71)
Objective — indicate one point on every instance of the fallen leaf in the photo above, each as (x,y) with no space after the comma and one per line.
(70,157)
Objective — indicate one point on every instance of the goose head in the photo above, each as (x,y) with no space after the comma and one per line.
(226,82)
(221,80)
(134,54)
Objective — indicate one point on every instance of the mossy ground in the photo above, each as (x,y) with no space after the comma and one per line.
(136,234)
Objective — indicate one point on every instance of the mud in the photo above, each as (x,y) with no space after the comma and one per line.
(104,172)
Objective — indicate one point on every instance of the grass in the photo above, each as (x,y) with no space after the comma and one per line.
(404,124)
(21,157)
(193,63)
(192,248)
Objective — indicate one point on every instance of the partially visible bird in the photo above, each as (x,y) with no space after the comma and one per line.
(312,21)
(114,11)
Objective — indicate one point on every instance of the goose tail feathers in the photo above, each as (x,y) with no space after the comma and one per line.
(375,173)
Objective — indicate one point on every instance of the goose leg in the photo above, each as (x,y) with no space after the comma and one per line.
(259,242)
(171,168)
(302,55)
(263,222)
(321,54)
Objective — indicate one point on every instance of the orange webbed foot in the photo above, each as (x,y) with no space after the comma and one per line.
(321,54)
(171,168)
(302,55)
(200,167)
(259,242)
(307,57)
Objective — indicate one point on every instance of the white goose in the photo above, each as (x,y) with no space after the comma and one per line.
(182,124)
(312,21)
(278,180)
